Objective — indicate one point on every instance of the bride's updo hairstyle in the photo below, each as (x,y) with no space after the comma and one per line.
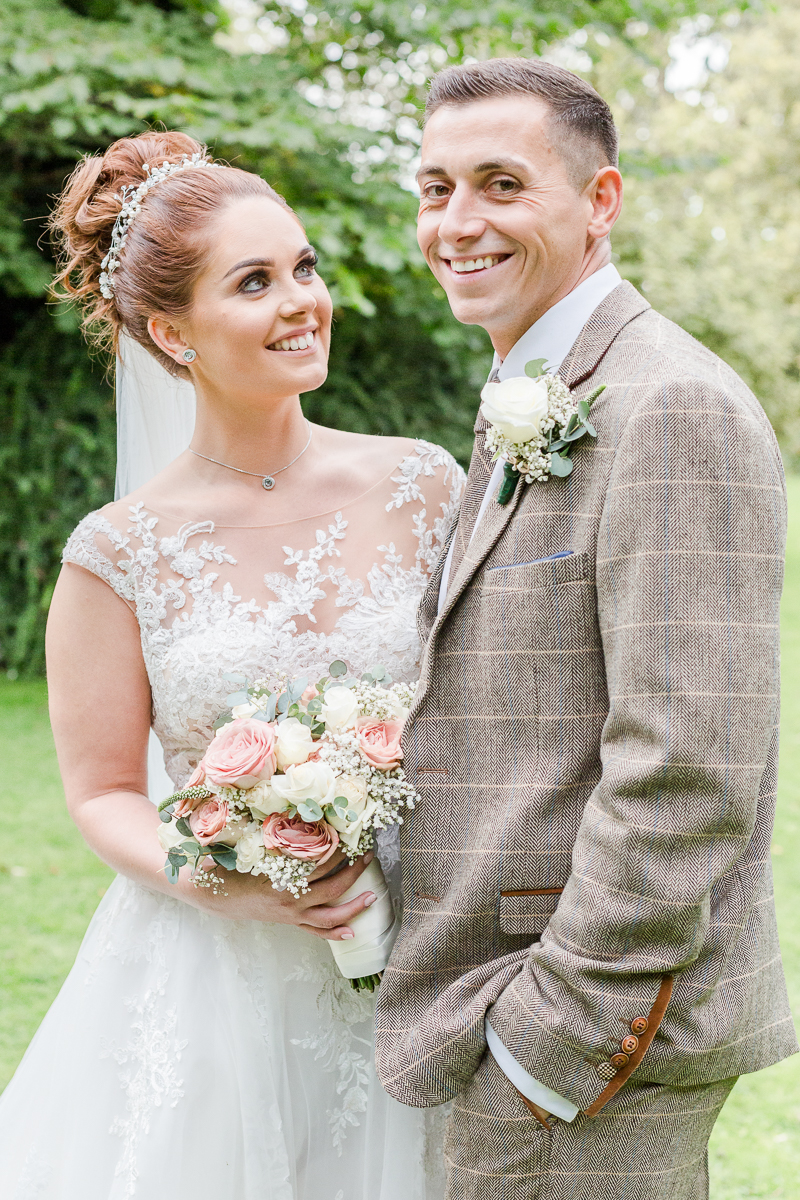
(167,244)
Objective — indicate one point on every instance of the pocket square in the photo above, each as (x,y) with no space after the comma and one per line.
(549,558)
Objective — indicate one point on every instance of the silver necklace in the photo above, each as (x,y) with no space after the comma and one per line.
(267,481)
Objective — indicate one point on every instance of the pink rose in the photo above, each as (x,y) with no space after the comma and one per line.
(242,754)
(208,821)
(314,841)
(309,694)
(379,742)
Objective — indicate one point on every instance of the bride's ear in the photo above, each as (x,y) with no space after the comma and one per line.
(167,338)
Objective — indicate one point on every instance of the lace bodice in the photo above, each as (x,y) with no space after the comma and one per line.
(268,599)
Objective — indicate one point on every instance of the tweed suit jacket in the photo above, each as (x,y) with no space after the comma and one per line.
(595,740)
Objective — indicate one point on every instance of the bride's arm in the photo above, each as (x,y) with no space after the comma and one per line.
(100,713)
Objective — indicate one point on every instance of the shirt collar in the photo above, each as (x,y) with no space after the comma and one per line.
(554,334)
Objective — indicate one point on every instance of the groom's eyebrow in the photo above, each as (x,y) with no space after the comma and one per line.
(483,168)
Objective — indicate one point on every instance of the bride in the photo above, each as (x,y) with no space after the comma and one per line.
(205,1045)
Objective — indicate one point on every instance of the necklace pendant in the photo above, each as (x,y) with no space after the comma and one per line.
(268,483)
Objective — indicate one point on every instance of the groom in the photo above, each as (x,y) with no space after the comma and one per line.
(588,957)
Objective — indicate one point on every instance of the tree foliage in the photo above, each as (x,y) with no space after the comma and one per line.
(323,100)
(710,230)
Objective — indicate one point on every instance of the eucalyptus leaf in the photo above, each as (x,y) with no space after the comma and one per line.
(183,826)
(237,698)
(590,429)
(297,687)
(166,816)
(283,703)
(377,671)
(583,409)
(309,810)
(535,368)
(191,849)
(317,730)
(314,706)
(294,710)
(234,677)
(177,857)
(224,856)
(576,434)
(305,719)
(260,716)
(570,425)
(367,677)
(172,872)
(270,707)
(225,719)
(338,668)
(559,444)
(560,466)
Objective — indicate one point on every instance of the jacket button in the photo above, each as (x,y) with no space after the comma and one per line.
(630,1044)
(618,1061)
(639,1026)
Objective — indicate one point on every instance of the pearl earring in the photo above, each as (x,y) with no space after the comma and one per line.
(189,355)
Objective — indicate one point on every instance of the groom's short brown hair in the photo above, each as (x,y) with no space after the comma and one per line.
(581,123)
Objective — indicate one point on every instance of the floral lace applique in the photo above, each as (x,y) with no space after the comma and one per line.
(151,1078)
(188,646)
(336,1045)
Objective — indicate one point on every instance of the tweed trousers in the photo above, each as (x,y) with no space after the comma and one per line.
(649,1143)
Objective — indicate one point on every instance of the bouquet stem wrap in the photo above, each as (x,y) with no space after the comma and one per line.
(375,928)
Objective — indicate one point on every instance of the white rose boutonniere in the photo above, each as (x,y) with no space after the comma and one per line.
(534,422)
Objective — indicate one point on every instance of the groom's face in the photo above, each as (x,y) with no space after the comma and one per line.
(501,224)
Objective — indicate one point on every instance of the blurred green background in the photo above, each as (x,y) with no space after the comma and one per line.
(324,100)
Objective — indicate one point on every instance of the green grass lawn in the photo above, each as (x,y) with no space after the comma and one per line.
(50,887)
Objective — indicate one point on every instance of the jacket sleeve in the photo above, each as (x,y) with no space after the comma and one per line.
(689,575)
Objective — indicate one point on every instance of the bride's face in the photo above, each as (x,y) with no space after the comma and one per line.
(258,296)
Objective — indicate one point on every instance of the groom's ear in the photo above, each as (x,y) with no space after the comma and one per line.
(167,337)
(604,192)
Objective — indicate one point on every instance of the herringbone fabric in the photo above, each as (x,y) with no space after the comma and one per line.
(649,1143)
(595,743)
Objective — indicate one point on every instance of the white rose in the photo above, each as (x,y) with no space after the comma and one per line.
(250,851)
(306,781)
(294,742)
(244,710)
(170,836)
(350,831)
(516,407)
(339,709)
(262,800)
(354,790)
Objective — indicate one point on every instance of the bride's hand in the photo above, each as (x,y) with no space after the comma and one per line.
(253,898)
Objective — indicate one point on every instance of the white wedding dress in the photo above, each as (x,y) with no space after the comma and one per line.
(188,1057)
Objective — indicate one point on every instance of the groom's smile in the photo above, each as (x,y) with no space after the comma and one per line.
(506,215)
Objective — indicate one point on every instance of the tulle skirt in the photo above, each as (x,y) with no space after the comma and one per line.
(190,1058)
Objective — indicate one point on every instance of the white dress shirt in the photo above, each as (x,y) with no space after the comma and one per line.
(550,338)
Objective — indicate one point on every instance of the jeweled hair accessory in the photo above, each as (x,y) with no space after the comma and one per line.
(132,198)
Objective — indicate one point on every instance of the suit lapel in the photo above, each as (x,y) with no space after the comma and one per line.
(607,321)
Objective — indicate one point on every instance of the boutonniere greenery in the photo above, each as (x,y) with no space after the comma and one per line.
(534,423)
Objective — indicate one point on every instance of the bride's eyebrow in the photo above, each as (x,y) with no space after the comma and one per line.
(266,262)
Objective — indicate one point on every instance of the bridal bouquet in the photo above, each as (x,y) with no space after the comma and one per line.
(295,771)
